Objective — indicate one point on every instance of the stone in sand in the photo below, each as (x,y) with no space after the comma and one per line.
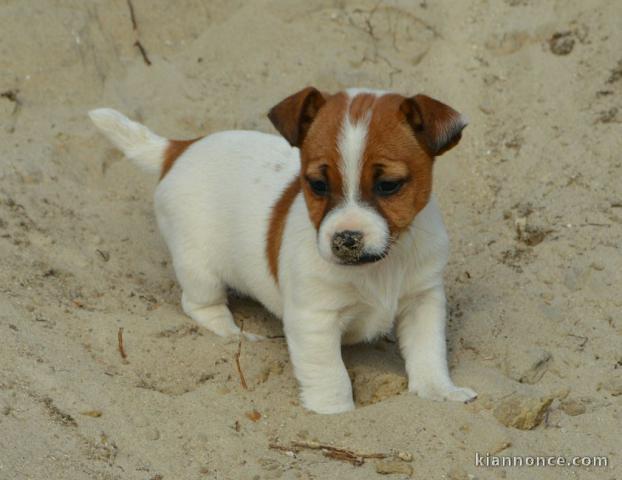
(523,413)
(368,391)
(573,407)
(394,467)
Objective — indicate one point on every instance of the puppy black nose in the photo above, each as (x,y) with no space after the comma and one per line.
(347,245)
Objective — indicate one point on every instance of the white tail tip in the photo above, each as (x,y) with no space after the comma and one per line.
(136,141)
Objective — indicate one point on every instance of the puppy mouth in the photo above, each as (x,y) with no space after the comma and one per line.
(364,259)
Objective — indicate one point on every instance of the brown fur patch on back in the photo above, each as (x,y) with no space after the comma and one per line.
(277,225)
(173,151)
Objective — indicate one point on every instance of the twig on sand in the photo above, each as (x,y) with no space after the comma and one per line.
(132,15)
(237,357)
(344,454)
(143,52)
(120,341)
(137,43)
(283,448)
(336,453)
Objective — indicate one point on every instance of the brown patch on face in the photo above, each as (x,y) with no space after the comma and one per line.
(320,158)
(393,153)
(173,152)
(277,225)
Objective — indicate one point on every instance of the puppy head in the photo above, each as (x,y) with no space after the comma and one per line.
(366,164)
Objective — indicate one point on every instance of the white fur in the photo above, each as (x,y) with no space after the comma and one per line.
(353,92)
(351,145)
(138,143)
(213,209)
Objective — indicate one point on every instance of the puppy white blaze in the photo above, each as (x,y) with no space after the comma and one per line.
(353,92)
(352,213)
(351,144)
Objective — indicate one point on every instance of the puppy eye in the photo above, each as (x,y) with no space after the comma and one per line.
(385,188)
(319,187)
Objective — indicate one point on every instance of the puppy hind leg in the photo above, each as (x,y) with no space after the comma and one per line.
(216,317)
(205,301)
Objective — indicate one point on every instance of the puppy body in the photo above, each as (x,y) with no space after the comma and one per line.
(213,209)
(235,211)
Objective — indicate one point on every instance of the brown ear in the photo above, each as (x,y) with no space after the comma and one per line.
(294,115)
(436,125)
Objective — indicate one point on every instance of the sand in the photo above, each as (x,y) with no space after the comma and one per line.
(532,199)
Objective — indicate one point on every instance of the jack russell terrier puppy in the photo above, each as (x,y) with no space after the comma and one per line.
(332,228)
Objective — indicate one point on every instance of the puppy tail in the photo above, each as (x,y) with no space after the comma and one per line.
(137,142)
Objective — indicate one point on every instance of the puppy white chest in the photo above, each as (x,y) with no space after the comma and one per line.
(366,322)
(375,308)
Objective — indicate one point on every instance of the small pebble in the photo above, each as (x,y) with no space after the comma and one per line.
(92,413)
(573,407)
(253,415)
(404,456)
(486,108)
(523,413)
(562,43)
(390,467)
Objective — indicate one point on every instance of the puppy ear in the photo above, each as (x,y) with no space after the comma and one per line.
(294,115)
(436,125)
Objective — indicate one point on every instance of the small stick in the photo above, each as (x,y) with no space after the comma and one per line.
(336,453)
(237,358)
(344,451)
(283,448)
(344,456)
(591,224)
(143,52)
(132,15)
(104,255)
(137,43)
(120,340)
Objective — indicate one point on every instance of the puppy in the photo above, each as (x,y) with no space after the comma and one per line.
(332,227)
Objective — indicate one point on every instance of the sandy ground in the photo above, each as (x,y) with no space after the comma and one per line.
(532,199)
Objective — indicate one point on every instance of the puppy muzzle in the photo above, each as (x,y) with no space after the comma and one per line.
(348,246)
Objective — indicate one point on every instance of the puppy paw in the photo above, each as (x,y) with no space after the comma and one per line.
(328,408)
(461,394)
(326,402)
(445,392)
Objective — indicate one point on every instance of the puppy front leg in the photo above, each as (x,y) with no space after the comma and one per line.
(314,342)
(421,334)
